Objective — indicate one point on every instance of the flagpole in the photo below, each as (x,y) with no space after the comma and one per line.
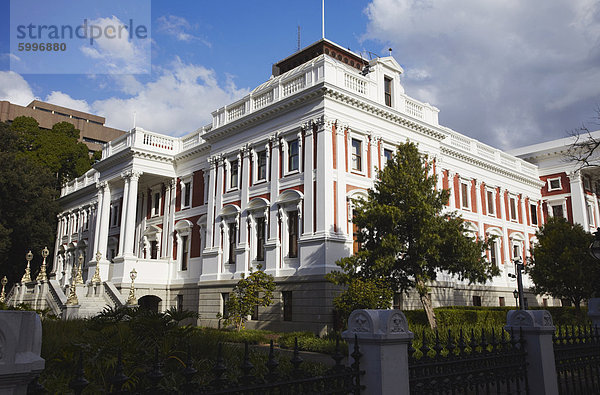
(323,19)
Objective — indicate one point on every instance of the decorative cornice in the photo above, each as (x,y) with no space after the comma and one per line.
(535,182)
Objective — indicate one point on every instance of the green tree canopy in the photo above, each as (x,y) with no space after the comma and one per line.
(561,264)
(406,238)
(34,163)
(250,292)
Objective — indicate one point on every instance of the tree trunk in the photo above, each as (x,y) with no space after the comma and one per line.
(426,302)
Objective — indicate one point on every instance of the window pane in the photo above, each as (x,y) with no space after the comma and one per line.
(234,174)
(557,211)
(513,208)
(260,239)
(356,155)
(388,154)
(555,184)
(490,202)
(293,234)
(262,166)
(493,258)
(533,210)
(387,84)
(187,194)
(464,191)
(232,235)
(293,155)
(184,253)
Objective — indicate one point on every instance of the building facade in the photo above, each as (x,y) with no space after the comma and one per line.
(271,181)
(93,133)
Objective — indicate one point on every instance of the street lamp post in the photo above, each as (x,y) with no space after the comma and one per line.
(519,269)
(516,296)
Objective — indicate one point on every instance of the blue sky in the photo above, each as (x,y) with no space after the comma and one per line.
(506,72)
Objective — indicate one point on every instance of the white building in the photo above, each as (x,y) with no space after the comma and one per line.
(270,181)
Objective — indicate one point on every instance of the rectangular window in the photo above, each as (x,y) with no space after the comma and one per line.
(262,166)
(491,207)
(154,249)
(293,156)
(231,251)
(260,239)
(293,234)
(287,305)
(501,301)
(493,253)
(533,211)
(587,183)
(557,211)
(388,154)
(590,214)
(355,242)
(184,252)
(476,300)
(187,194)
(513,209)
(224,300)
(387,87)
(464,193)
(356,155)
(516,251)
(233,183)
(115,215)
(397,302)
(180,303)
(554,184)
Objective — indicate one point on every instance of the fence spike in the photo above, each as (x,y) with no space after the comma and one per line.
(219,369)
(356,354)
(119,379)
(437,347)
(296,359)
(189,372)
(424,347)
(473,341)
(503,341)
(79,382)
(462,346)
(513,340)
(483,342)
(450,344)
(272,364)
(411,349)
(155,374)
(337,356)
(247,366)
(494,341)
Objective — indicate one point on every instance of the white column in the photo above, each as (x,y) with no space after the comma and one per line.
(273,244)
(308,179)
(123,227)
(506,242)
(479,204)
(219,203)
(578,201)
(131,210)
(104,220)
(210,217)
(97,221)
(342,211)
(451,201)
(169,217)
(374,155)
(244,185)
(596,211)
(324,178)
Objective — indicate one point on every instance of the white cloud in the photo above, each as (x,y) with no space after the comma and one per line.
(508,72)
(64,100)
(179,28)
(118,54)
(15,89)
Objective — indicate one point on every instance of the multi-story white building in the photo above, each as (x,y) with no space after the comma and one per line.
(271,181)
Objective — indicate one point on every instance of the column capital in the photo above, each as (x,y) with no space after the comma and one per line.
(306,128)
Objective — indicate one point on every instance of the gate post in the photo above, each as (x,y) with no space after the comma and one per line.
(594,311)
(383,340)
(20,347)
(537,329)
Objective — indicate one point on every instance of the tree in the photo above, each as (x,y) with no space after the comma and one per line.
(561,264)
(34,163)
(363,293)
(584,151)
(406,237)
(250,292)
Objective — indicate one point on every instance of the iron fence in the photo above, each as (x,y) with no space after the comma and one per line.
(469,366)
(339,379)
(577,358)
